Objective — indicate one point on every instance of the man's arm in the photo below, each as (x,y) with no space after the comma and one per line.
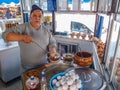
(18,37)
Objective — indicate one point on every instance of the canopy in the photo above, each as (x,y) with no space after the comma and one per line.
(9,1)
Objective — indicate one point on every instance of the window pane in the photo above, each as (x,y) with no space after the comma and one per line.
(63,21)
(85,5)
(62,5)
(73,5)
(43,4)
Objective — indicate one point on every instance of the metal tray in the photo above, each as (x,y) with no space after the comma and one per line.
(92,79)
(56,68)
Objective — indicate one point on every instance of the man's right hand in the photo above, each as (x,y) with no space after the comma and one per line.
(27,39)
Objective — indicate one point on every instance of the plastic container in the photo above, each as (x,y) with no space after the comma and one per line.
(55,77)
(43,82)
(32,83)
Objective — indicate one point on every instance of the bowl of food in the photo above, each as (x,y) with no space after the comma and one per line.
(83,59)
(54,57)
(68,57)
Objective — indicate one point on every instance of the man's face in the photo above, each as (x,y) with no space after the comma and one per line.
(36,18)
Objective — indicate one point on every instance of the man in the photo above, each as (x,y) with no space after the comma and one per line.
(26,34)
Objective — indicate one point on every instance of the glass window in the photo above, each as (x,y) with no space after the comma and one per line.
(105,28)
(43,4)
(113,42)
(104,5)
(73,5)
(85,5)
(77,5)
(62,5)
(118,14)
(115,72)
(63,21)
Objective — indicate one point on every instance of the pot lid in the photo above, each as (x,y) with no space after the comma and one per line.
(91,79)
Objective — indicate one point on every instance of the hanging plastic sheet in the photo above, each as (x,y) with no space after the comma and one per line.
(86,1)
(51,5)
(100,25)
(9,1)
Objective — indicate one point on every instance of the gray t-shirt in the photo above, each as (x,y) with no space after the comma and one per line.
(31,54)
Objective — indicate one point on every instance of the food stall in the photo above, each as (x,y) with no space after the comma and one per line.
(102,16)
(105,55)
(86,72)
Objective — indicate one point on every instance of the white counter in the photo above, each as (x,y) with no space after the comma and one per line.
(10,64)
(5,46)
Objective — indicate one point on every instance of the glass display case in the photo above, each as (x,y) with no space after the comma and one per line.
(115,69)
(112,54)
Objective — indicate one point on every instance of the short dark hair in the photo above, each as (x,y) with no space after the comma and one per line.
(35,7)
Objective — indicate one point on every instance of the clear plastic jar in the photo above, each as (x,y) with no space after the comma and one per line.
(32,83)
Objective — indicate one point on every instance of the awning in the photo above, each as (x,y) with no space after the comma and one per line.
(9,1)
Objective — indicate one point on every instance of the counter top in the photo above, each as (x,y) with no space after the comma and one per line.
(54,69)
(50,71)
(5,46)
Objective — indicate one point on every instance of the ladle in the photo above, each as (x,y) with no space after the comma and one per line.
(35,42)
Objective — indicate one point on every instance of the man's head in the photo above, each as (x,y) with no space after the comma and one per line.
(36,16)
(35,7)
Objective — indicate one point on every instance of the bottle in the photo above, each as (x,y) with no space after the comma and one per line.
(32,83)
(43,81)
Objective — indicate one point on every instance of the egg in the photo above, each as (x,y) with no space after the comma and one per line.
(59,88)
(62,82)
(70,82)
(73,87)
(65,87)
(58,77)
(76,76)
(54,81)
(57,84)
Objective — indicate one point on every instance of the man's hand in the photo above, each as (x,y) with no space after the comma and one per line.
(54,56)
(27,39)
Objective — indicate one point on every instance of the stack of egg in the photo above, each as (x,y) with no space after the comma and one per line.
(69,81)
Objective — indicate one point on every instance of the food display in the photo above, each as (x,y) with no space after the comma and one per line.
(83,59)
(90,37)
(64,76)
(78,35)
(32,72)
(66,81)
(117,74)
(72,34)
(83,36)
(68,57)
(54,57)
(9,25)
(100,47)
